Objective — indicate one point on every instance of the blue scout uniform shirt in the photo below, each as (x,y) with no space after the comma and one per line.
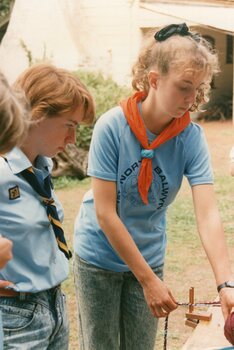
(37,262)
(115,156)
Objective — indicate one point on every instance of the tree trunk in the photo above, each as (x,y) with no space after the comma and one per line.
(72,162)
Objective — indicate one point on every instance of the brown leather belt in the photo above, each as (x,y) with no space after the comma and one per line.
(10,293)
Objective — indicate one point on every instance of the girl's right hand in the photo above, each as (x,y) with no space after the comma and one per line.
(158,297)
(5,251)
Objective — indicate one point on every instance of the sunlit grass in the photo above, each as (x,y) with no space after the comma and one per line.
(65,182)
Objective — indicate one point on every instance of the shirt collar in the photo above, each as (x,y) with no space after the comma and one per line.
(18,161)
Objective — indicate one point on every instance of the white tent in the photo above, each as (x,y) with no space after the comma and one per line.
(39,29)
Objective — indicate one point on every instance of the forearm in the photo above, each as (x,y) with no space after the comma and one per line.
(213,240)
(211,232)
(124,245)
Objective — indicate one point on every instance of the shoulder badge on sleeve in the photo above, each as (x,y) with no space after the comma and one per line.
(14,192)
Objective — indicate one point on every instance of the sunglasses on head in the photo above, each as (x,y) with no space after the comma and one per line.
(175,29)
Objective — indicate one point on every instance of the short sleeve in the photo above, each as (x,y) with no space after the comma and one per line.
(198,168)
(104,147)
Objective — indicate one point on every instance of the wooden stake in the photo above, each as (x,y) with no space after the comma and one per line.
(191,299)
(191,323)
(192,318)
(204,316)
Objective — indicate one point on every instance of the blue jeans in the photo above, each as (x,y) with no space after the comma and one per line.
(112,311)
(36,321)
(1,333)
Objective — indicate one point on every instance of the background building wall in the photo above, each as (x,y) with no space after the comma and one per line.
(109,37)
(92,35)
(223,81)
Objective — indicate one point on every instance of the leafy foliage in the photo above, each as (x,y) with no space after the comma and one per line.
(31,60)
(62,182)
(220,110)
(106,93)
(5,6)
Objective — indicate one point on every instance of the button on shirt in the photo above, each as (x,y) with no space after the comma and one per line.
(37,262)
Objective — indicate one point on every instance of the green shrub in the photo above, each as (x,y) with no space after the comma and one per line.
(5,6)
(106,93)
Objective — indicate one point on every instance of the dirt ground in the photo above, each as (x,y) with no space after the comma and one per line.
(220,137)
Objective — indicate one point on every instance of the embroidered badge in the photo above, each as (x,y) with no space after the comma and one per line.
(14,192)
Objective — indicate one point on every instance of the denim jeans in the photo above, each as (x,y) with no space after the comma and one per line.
(112,311)
(1,332)
(37,321)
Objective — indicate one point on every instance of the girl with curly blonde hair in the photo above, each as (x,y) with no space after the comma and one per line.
(139,154)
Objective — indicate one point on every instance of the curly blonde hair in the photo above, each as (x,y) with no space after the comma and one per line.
(51,91)
(14,116)
(176,52)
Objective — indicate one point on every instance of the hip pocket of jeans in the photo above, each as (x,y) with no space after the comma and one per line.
(15,318)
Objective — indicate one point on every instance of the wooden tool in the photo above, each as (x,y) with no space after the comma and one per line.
(192,317)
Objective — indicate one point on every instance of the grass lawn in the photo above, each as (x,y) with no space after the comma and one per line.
(186,263)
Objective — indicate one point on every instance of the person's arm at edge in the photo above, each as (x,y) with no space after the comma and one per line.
(232,161)
(212,236)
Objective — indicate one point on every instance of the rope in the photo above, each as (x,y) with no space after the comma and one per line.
(213,303)
(165,333)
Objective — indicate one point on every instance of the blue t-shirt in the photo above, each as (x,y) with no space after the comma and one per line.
(115,156)
(37,262)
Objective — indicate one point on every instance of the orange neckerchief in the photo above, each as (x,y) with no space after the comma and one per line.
(137,126)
